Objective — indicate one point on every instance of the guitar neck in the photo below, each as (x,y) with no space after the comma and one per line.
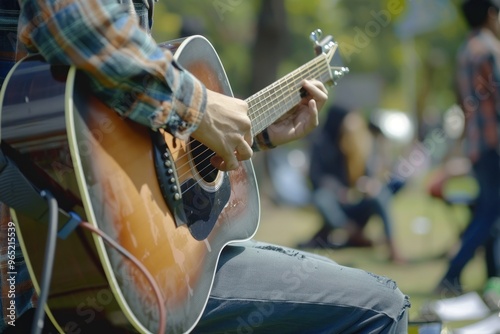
(269,104)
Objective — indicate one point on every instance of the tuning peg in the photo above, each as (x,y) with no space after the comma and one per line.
(315,36)
(339,74)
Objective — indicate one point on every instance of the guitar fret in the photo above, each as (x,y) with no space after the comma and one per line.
(267,105)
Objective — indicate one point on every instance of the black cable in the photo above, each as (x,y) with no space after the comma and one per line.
(48,262)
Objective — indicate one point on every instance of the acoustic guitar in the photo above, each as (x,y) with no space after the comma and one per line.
(157,196)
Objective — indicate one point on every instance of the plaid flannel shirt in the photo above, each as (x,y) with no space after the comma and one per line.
(128,70)
(478,81)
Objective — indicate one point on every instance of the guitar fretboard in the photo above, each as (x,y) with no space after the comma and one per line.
(269,104)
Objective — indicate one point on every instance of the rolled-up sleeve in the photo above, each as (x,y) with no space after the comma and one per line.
(127,68)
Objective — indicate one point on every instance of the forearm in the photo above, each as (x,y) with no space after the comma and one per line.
(135,76)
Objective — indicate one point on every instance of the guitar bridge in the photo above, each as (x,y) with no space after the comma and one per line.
(167,178)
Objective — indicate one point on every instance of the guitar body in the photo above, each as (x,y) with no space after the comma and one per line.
(109,173)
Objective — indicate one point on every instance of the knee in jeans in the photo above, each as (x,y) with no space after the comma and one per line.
(397,298)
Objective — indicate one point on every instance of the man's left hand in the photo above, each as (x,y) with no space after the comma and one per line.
(303,118)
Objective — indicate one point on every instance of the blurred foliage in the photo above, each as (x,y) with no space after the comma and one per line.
(417,73)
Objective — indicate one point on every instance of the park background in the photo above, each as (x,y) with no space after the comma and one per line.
(401,56)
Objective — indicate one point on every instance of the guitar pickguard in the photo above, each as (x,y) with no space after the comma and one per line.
(202,207)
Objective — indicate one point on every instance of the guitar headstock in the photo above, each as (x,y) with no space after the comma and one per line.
(329,47)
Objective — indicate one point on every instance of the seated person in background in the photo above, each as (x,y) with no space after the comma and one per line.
(345,189)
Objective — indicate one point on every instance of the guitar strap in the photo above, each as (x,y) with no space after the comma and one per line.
(18,192)
(24,196)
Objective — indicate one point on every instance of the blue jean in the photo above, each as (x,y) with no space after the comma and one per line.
(262,288)
(485,214)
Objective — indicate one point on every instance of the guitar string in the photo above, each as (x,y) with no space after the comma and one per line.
(276,109)
(317,74)
(308,70)
(313,69)
(323,60)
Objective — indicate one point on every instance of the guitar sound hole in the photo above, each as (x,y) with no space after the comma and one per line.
(201,156)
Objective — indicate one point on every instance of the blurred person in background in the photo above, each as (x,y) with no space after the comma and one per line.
(346,189)
(478,66)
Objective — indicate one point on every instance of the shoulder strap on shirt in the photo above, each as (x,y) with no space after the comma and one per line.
(150,4)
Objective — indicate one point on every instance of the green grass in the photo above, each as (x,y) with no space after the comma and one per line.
(425,231)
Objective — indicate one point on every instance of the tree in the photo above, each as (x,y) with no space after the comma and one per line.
(270,46)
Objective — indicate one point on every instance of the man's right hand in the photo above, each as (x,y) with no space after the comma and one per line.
(225,128)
